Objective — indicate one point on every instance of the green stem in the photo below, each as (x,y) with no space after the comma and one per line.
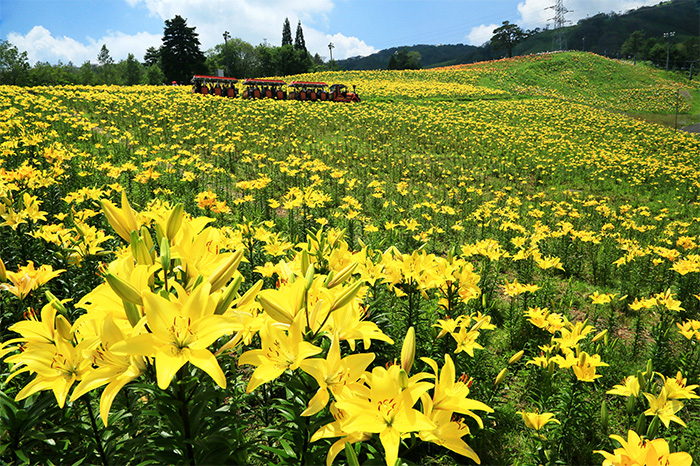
(98,438)
(185,415)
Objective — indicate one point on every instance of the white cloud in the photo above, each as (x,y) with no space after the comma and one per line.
(256,21)
(41,45)
(479,35)
(252,20)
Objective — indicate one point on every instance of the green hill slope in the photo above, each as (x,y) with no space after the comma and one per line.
(579,77)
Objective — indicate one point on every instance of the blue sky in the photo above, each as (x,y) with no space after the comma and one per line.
(74,30)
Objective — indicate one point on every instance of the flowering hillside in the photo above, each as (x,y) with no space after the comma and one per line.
(486,264)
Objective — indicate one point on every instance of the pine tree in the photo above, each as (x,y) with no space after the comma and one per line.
(180,54)
(132,71)
(151,57)
(507,36)
(103,58)
(299,42)
(286,33)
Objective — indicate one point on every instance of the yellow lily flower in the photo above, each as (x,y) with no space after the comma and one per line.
(387,410)
(181,332)
(636,451)
(112,370)
(664,408)
(537,421)
(447,432)
(334,374)
(629,387)
(280,350)
(450,394)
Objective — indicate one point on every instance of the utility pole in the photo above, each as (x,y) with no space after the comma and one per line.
(668,35)
(228,68)
(560,11)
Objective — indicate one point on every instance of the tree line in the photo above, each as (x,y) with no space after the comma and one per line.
(176,60)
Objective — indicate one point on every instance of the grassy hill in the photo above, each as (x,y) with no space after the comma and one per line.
(580,77)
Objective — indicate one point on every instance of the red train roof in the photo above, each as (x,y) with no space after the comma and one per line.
(264,81)
(213,78)
(307,84)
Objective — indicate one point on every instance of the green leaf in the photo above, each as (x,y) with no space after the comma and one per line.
(20,454)
(350,455)
(287,448)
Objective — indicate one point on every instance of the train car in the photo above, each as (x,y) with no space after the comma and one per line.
(214,85)
(308,90)
(264,88)
(339,93)
(273,89)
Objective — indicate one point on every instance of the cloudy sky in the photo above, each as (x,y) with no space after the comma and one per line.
(74,30)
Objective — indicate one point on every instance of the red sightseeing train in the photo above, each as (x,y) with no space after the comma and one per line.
(273,89)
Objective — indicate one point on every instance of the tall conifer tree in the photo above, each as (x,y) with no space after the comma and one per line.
(286,33)
(180,55)
(299,42)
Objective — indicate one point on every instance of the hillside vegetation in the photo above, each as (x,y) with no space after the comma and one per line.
(584,78)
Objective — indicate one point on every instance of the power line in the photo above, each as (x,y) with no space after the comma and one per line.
(560,11)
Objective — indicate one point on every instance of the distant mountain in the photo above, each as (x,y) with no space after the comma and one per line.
(603,34)
(431,56)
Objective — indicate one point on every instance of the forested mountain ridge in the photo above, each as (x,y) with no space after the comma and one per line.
(604,34)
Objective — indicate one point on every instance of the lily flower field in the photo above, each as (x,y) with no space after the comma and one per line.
(495,263)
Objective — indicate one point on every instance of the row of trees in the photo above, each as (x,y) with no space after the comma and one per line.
(657,50)
(16,70)
(177,59)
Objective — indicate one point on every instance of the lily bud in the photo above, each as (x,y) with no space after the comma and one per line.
(229,295)
(174,221)
(604,416)
(124,289)
(600,335)
(347,296)
(408,350)
(225,271)
(250,294)
(343,275)
(653,428)
(516,357)
(64,327)
(139,250)
(274,310)
(132,313)
(631,404)
(641,423)
(122,220)
(160,234)
(642,381)
(56,303)
(147,238)
(165,255)
(501,375)
(3,272)
(309,276)
(304,261)
(403,378)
